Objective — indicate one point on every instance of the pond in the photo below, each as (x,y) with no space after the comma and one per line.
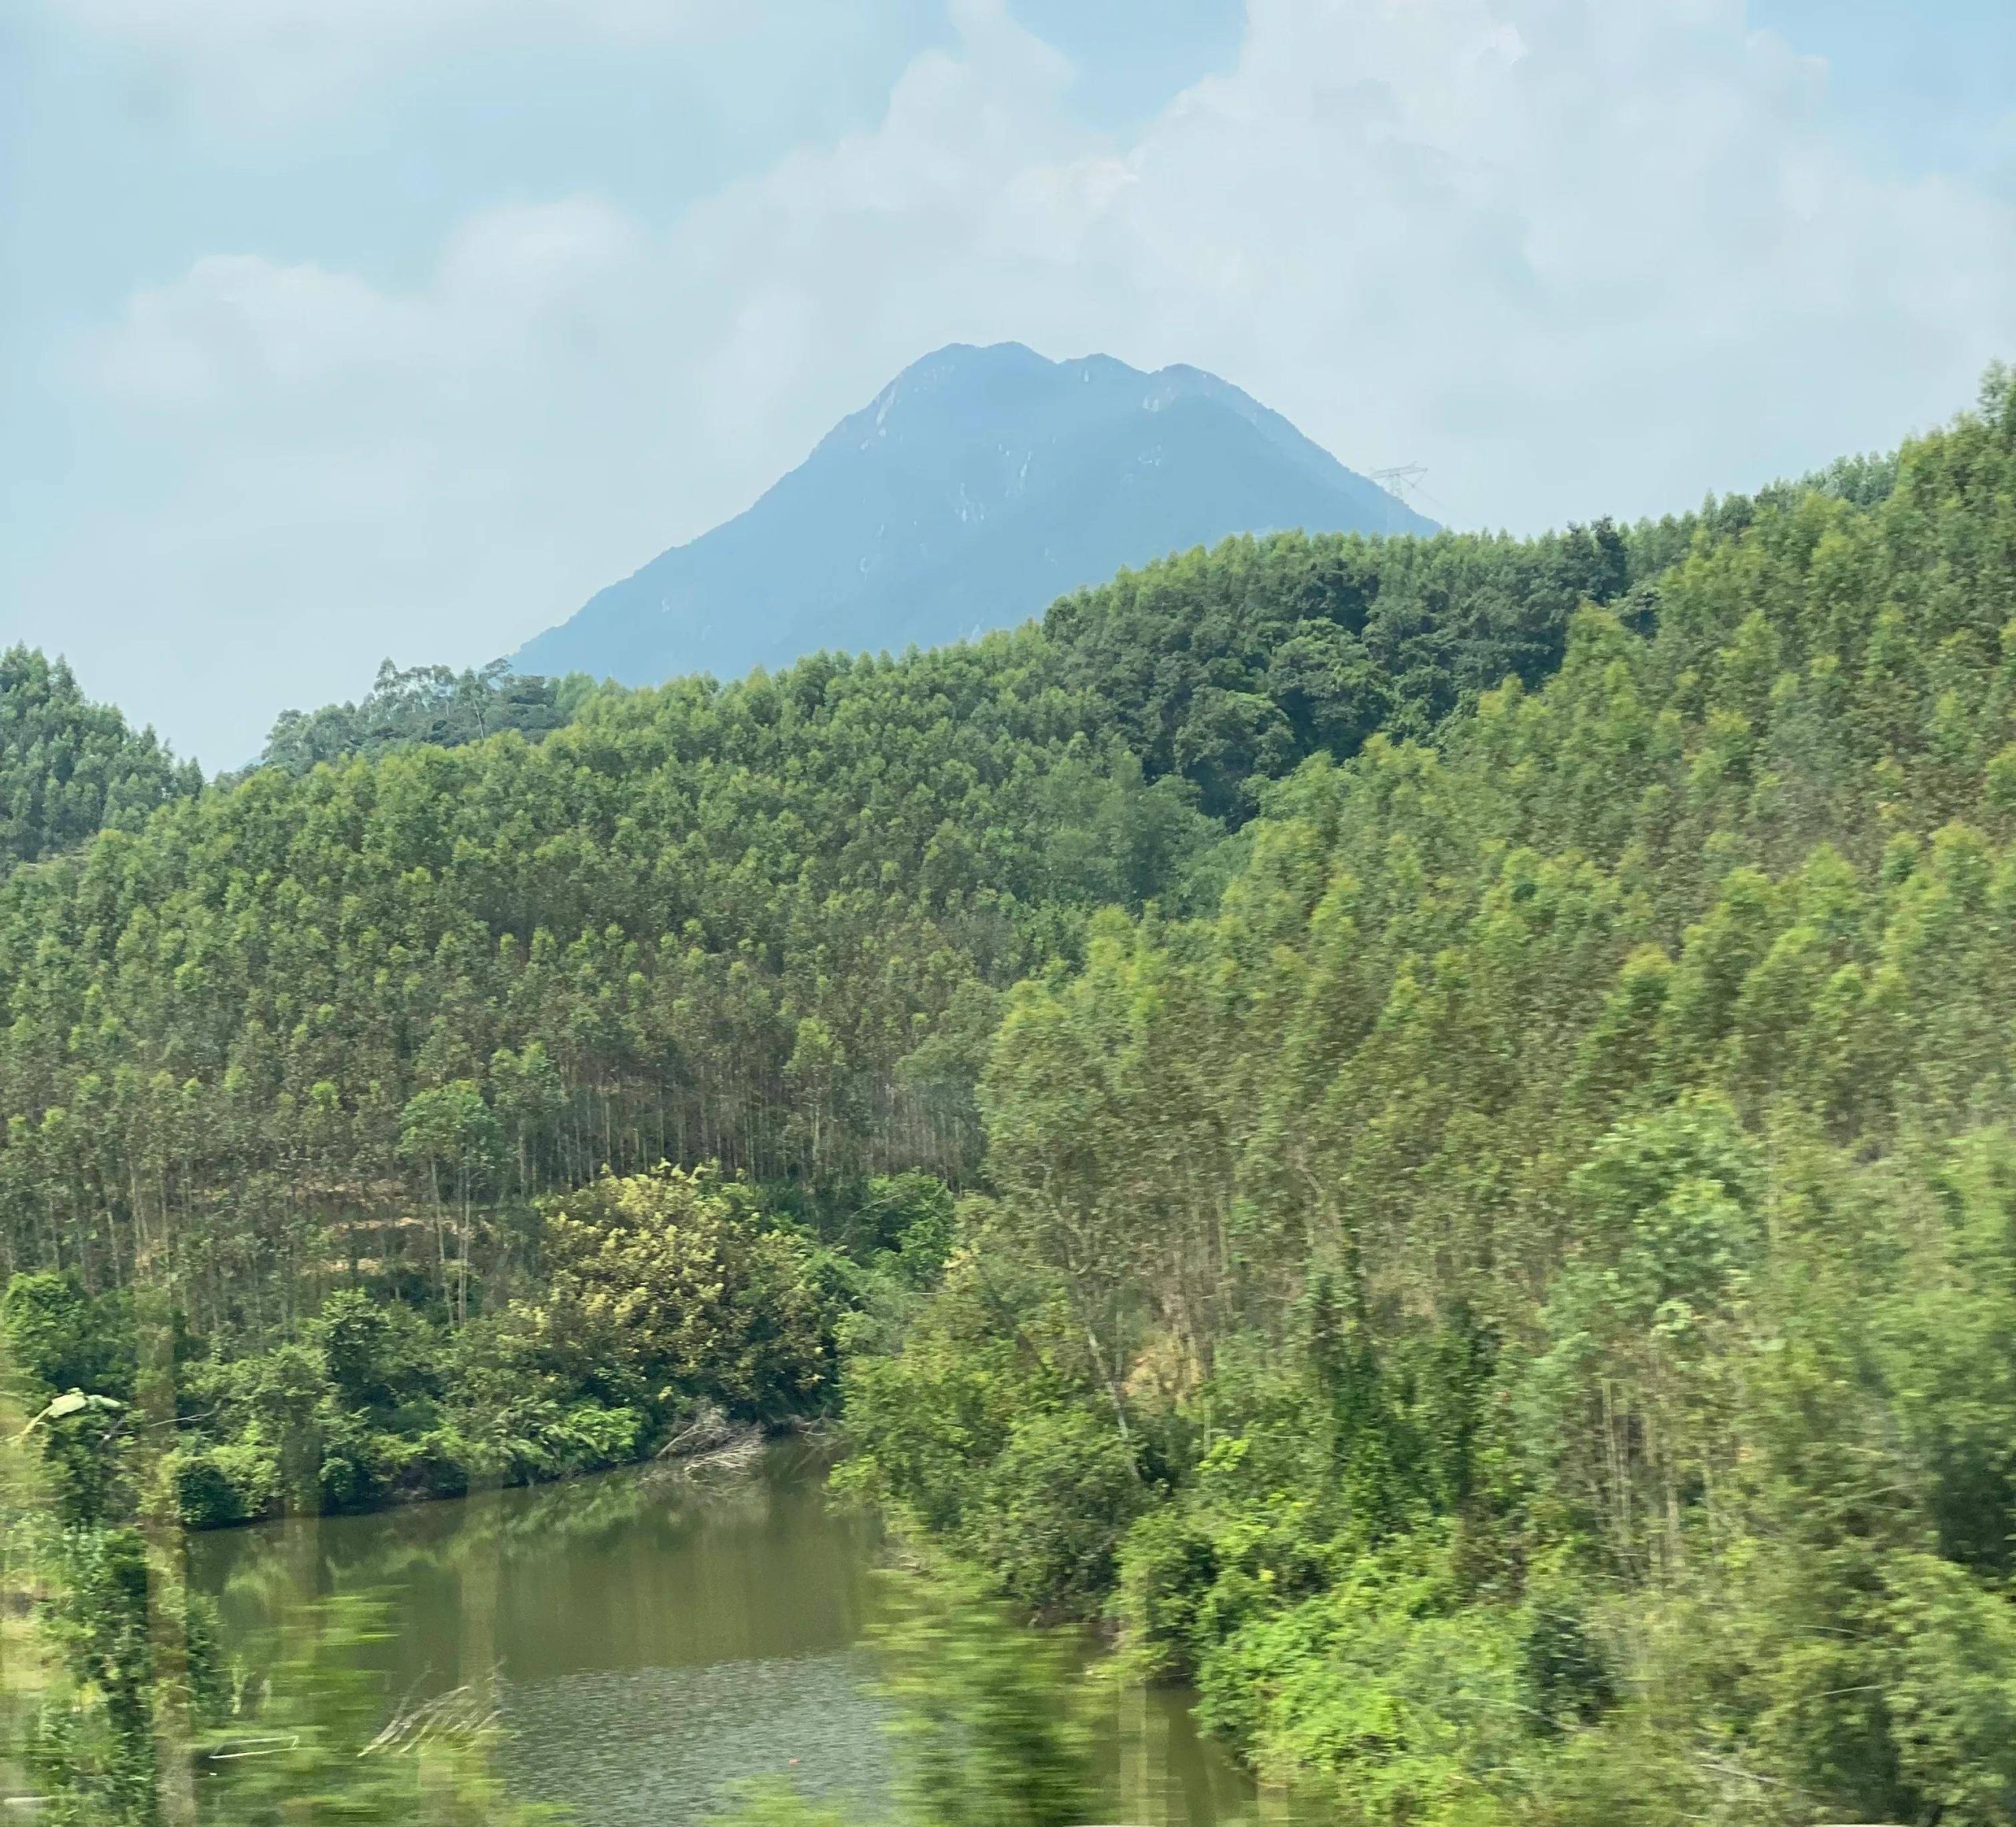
(659,1637)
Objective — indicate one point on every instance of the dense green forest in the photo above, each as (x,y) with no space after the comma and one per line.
(423,704)
(764,925)
(1422,1128)
(70,767)
(1518,1305)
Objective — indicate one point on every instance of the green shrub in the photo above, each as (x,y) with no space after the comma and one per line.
(1053,1509)
(1387,1694)
(221,1484)
(662,1287)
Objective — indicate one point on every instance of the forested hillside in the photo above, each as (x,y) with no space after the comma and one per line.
(764,924)
(1423,1128)
(423,704)
(70,767)
(1518,1306)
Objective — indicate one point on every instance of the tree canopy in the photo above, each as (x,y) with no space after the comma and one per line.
(70,767)
(423,704)
(1515,1305)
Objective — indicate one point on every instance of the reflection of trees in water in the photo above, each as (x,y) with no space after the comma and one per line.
(270,1566)
(678,1630)
(677,1561)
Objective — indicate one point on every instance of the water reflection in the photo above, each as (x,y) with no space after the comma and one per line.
(659,1638)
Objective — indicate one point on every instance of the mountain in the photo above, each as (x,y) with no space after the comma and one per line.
(979,485)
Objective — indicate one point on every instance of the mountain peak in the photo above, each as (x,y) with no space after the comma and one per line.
(981,483)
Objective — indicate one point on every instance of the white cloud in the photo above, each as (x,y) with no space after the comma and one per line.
(1577,256)
(266,60)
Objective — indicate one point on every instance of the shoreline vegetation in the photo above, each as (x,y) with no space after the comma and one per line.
(1423,1130)
(674,1317)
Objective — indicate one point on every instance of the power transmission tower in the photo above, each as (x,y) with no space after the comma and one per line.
(1403,478)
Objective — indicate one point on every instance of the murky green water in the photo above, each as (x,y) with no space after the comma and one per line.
(661,1638)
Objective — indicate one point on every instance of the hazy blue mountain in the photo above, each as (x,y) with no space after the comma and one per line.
(979,485)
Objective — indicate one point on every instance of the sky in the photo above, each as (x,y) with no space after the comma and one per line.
(338,330)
